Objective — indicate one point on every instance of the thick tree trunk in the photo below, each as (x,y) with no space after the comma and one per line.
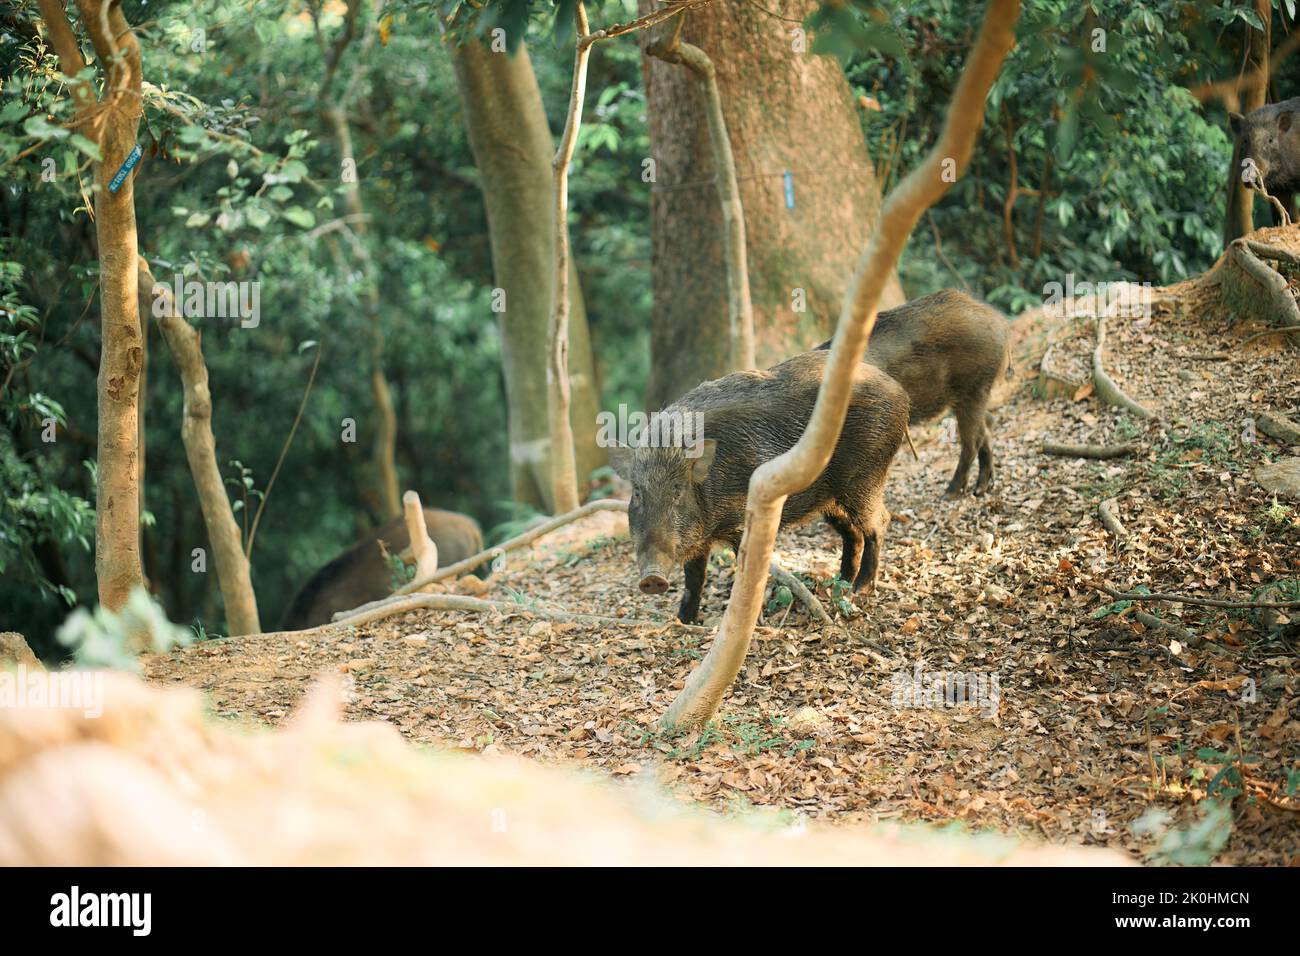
(1239,219)
(740,306)
(786,112)
(113,124)
(513,149)
(233,572)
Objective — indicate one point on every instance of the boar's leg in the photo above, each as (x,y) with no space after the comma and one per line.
(851,535)
(873,543)
(986,461)
(689,609)
(972,431)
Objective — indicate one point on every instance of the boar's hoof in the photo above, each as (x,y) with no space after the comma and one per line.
(654,584)
(952,494)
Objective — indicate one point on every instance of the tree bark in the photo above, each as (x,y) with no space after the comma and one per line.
(794,470)
(785,112)
(564,466)
(512,148)
(740,305)
(233,573)
(113,124)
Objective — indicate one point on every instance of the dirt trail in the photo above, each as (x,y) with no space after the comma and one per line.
(1097,719)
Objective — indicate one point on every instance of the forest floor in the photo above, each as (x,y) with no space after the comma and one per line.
(1098,720)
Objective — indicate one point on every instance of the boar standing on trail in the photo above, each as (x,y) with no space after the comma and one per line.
(946,350)
(1269,138)
(360,574)
(685,499)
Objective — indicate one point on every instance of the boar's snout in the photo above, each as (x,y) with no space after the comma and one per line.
(654,583)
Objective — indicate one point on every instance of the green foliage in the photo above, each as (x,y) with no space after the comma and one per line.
(1125,171)
(108,639)
(1199,844)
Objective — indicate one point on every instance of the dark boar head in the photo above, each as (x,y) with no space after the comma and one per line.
(1270,138)
(666,514)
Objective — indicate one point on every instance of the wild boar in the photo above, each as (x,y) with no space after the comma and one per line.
(685,499)
(947,350)
(360,574)
(1269,138)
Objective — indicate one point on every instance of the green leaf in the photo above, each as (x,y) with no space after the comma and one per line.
(87,146)
(39,127)
(300,217)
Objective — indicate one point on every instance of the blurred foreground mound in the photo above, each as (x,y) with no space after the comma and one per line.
(154,781)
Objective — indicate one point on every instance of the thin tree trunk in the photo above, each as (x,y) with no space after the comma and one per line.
(1239,220)
(113,124)
(383,456)
(513,149)
(564,467)
(794,470)
(740,306)
(233,573)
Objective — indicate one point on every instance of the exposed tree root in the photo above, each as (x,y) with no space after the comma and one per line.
(518,541)
(799,590)
(1052,383)
(1184,598)
(460,602)
(1224,356)
(1107,389)
(1183,634)
(1249,255)
(490,554)
(1108,511)
(1089,451)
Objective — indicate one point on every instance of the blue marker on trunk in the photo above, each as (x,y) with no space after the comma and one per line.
(789,190)
(119,178)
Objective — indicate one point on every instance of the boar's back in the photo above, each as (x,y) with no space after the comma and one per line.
(944,349)
(360,574)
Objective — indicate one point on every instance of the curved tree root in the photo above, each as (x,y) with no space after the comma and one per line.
(460,602)
(800,590)
(1089,451)
(1108,511)
(1250,256)
(1107,389)
(490,554)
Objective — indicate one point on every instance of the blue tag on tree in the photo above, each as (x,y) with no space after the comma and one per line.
(789,190)
(119,178)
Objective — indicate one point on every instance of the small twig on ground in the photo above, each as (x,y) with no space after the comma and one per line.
(799,590)
(1089,451)
(1184,598)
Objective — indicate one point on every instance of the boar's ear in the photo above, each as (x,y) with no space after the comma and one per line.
(620,459)
(1236,121)
(1284,120)
(699,467)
